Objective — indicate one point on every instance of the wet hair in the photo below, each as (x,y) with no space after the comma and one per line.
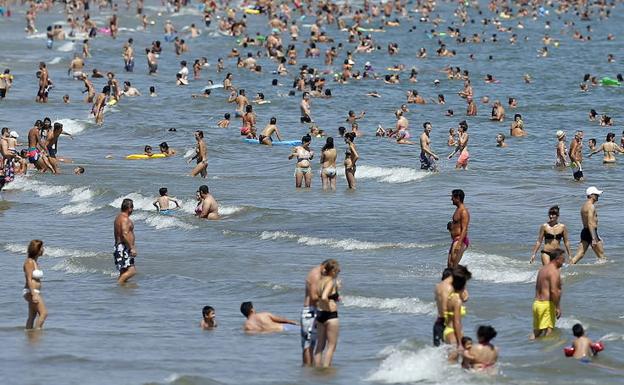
(152,89)
(329,266)
(203,189)
(306,138)
(80,170)
(274,82)
(593,140)
(273,120)
(610,136)
(162,191)
(59,126)
(502,135)
(556,254)
(350,136)
(466,340)
(261,95)
(486,333)
(106,90)
(147,148)
(127,204)
(249,108)
(586,77)
(593,113)
(463,124)
(200,133)
(516,116)
(329,143)
(426,123)
(34,248)
(207,310)
(578,330)
(227,115)
(328,92)
(446,273)
(459,194)
(246,308)
(341,131)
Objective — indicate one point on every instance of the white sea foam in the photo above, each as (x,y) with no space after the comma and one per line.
(78,208)
(213,86)
(72,126)
(160,222)
(66,47)
(50,252)
(348,244)
(189,207)
(427,365)
(37,36)
(56,60)
(390,174)
(567,323)
(22,183)
(393,305)
(613,337)
(498,269)
(71,268)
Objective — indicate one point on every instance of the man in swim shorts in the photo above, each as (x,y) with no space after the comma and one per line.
(305,109)
(308,314)
(458,227)
(576,156)
(589,234)
(427,156)
(264,322)
(547,303)
(125,249)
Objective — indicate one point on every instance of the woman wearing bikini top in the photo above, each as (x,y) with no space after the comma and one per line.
(303,168)
(32,287)
(551,233)
(609,147)
(328,165)
(351,157)
(327,323)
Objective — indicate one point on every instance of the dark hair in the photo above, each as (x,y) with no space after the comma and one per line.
(486,333)
(459,194)
(249,108)
(34,248)
(465,340)
(246,308)
(273,120)
(609,136)
(462,270)
(206,310)
(306,138)
(162,191)
(227,115)
(126,204)
(350,136)
(152,89)
(164,146)
(81,170)
(200,133)
(447,273)
(59,126)
(329,143)
(517,116)
(203,189)
(578,330)
(274,82)
(341,131)
(556,254)
(147,148)
(553,210)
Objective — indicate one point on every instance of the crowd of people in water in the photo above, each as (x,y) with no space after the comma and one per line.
(319,324)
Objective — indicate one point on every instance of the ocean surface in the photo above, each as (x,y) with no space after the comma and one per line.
(389,235)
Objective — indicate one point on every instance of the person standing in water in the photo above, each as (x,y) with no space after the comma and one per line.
(547,303)
(609,147)
(462,146)
(589,234)
(551,233)
(441,293)
(207,208)
(125,249)
(351,157)
(458,228)
(427,156)
(576,156)
(265,137)
(201,154)
(562,153)
(309,312)
(32,287)
(303,169)
(328,165)
(327,317)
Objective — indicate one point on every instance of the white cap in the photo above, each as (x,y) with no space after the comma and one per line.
(14,134)
(367,63)
(592,190)
(560,134)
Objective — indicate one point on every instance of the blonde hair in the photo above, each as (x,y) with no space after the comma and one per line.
(329,266)
(34,248)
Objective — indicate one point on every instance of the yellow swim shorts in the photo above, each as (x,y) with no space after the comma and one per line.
(543,315)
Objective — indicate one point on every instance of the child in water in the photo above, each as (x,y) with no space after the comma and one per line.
(484,355)
(583,347)
(467,344)
(208,318)
(162,203)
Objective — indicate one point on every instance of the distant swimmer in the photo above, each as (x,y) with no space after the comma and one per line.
(500,140)
(265,137)
(129,90)
(98,105)
(427,157)
(303,168)
(76,66)
(309,312)
(162,203)
(37,310)
(609,147)
(328,164)
(483,356)
(442,292)
(589,234)
(517,127)
(551,233)
(458,228)
(562,153)
(225,122)
(304,106)
(207,208)
(576,156)
(264,322)
(583,348)
(327,321)
(201,154)
(548,291)
(6,82)
(165,149)
(208,321)
(462,146)
(351,158)
(125,248)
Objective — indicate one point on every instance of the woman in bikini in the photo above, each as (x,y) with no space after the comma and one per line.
(327,322)
(32,288)
(455,310)
(609,147)
(328,165)
(351,157)
(303,168)
(551,233)
(483,356)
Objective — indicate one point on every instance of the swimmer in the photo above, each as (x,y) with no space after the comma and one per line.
(551,233)
(225,122)
(427,157)
(500,140)
(148,151)
(201,154)
(6,82)
(208,321)
(205,94)
(309,313)
(98,105)
(462,147)
(591,144)
(328,165)
(165,149)
(79,170)
(265,137)
(471,109)
(453,329)
(303,168)
(260,99)
(548,291)
(129,90)
(609,147)
(125,248)
(263,322)
(589,234)
(451,141)
(37,310)
(584,348)
(483,356)
(162,203)
(517,127)
(208,207)
(466,352)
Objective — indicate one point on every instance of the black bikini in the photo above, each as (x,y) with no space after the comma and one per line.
(324,316)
